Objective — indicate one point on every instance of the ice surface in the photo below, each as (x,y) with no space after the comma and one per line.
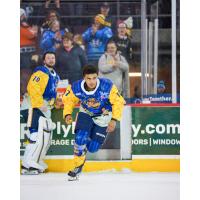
(101,186)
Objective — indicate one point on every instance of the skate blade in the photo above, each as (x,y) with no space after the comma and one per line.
(41,171)
(28,172)
(76,178)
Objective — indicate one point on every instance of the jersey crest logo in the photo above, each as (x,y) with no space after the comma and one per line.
(92,102)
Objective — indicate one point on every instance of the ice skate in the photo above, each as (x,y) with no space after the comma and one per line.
(79,162)
(29,171)
(74,174)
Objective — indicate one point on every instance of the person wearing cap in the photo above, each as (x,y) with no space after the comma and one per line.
(96,38)
(71,59)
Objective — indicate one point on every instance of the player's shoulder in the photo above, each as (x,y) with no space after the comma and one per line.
(105,81)
(77,83)
(105,84)
(42,69)
(76,86)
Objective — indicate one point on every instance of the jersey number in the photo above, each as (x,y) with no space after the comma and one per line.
(67,92)
(36,78)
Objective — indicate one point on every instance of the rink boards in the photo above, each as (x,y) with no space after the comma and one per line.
(135,165)
(147,139)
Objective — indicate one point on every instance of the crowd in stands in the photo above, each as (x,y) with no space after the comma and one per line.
(106,44)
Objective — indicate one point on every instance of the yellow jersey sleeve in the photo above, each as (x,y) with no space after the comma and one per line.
(69,101)
(117,102)
(36,87)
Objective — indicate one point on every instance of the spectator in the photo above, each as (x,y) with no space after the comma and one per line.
(123,41)
(28,37)
(78,39)
(28,9)
(57,2)
(52,15)
(96,38)
(109,21)
(70,59)
(161,87)
(114,66)
(51,39)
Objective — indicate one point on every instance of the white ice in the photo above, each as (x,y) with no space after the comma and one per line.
(101,186)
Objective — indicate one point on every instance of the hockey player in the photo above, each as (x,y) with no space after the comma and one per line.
(101,106)
(42,95)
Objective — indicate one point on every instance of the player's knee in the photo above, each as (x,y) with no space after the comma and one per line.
(93,146)
(81,137)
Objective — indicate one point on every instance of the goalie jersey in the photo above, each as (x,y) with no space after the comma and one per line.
(104,98)
(42,86)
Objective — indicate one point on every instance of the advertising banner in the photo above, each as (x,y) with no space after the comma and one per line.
(155,130)
(63,135)
(154,98)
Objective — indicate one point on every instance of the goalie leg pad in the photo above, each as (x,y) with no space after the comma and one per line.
(29,157)
(47,131)
(37,150)
(30,148)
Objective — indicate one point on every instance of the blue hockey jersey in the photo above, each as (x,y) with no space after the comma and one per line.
(104,97)
(96,43)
